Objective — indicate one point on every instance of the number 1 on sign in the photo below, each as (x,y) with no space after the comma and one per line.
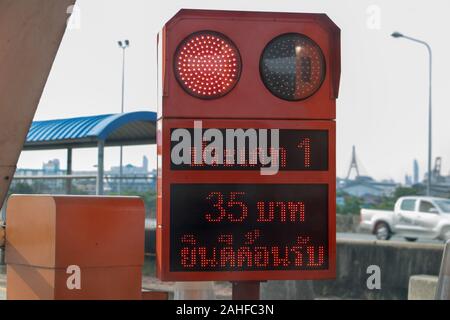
(305,144)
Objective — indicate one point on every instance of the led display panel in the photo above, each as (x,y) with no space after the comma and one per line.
(245,227)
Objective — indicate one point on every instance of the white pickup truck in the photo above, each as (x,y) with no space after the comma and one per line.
(413,217)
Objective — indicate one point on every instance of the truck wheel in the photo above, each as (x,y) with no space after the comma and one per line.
(382,231)
(445,234)
(410,239)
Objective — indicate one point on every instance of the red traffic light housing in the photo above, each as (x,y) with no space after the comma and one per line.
(276,65)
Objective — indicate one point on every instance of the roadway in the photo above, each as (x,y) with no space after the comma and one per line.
(367,236)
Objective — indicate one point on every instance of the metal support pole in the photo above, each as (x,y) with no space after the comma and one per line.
(123,80)
(121,111)
(430,91)
(429,118)
(245,290)
(69,171)
(119,190)
(100,167)
(194,290)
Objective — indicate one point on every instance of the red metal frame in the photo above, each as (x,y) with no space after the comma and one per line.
(250,32)
(253,177)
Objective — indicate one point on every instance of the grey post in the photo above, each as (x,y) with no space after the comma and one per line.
(69,171)
(100,167)
(400,35)
(123,45)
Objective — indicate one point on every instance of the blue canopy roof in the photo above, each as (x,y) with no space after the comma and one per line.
(131,128)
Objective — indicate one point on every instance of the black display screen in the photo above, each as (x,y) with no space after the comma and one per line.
(248,227)
(298,150)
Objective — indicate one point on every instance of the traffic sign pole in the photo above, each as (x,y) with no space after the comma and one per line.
(246,290)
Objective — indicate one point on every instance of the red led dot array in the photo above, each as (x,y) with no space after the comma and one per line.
(242,158)
(303,240)
(278,260)
(269,215)
(283,157)
(227,257)
(320,256)
(225,239)
(200,162)
(244,257)
(253,158)
(309,69)
(305,144)
(212,153)
(277,156)
(298,260)
(207,64)
(217,202)
(188,257)
(252,236)
(296,208)
(229,157)
(233,202)
(204,260)
(188,239)
(261,257)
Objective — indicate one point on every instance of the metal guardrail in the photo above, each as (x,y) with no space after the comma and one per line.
(86,183)
(70,177)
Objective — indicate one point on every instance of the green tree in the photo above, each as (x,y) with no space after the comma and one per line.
(20,188)
(352,205)
(405,191)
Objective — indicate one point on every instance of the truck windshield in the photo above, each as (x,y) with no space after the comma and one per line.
(444,205)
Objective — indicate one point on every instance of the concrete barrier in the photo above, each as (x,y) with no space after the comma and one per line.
(397,261)
(443,285)
(422,287)
(282,290)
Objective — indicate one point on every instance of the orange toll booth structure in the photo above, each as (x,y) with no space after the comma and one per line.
(74,247)
(247,146)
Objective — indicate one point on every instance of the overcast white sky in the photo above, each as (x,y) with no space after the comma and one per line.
(382,107)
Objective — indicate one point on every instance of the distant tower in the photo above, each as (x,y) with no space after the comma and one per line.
(408,181)
(145,163)
(353,165)
(415,172)
(437,169)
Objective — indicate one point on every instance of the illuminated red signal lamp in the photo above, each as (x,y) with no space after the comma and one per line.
(207,64)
